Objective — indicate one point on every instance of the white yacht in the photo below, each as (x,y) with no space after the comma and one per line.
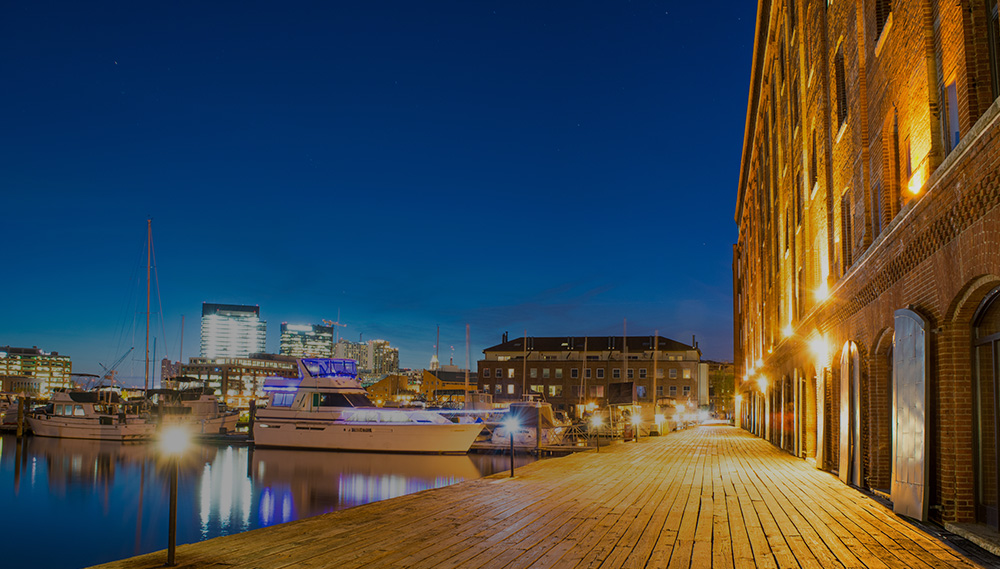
(534,424)
(326,407)
(198,408)
(97,415)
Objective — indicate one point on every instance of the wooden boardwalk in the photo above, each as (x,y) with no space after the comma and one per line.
(704,497)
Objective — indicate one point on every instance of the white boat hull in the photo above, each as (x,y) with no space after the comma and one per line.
(88,428)
(222,424)
(435,438)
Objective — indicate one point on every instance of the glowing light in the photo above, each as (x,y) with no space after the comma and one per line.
(822,293)
(916,181)
(788,330)
(751,372)
(596,421)
(636,420)
(660,417)
(762,384)
(679,408)
(174,440)
(820,349)
(760,362)
(739,398)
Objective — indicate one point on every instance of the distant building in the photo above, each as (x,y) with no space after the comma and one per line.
(306,340)
(572,372)
(395,389)
(169,369)
(376,358)
(446,384)
(33,372)
(235,380)
(721,388)
(231,331)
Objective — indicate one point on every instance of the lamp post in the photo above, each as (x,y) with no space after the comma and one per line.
(596,422)
(173,442)
(636,421)
(511,425)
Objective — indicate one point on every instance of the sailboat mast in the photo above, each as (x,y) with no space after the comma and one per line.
(149,263)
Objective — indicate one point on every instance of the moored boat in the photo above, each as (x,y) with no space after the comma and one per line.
(197,408)
(533,423)
(96,415)
(326,407)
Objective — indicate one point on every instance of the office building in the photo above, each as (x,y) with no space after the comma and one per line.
(236,381)
(376,358)
(32,371)
(306,340)
(231,331)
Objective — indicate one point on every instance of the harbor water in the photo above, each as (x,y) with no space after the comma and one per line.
(75,503)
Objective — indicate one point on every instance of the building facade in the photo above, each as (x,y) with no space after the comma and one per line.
(573,373)
(866,271)
(376,358)
(306,341)
(236,380)
(231,331)
(32,371)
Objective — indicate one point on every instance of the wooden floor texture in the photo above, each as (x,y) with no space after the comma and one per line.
(704,497)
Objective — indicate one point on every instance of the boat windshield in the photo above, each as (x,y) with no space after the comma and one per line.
(322,367)
(343,400)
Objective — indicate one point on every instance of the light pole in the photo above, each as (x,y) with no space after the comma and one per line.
(636,421)
(511,425)
(173,442)
(596,422)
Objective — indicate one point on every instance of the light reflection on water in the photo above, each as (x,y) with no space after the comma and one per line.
(101,501)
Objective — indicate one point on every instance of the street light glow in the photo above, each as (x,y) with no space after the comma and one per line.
(174,440)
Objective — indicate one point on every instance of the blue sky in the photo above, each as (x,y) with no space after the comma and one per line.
(554,167)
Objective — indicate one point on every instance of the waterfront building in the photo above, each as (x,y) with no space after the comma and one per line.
(446,384)
(236,381)
(33,372)
(720,387)
(576,372)
(231,330)
(376,358)
(394,390)
(866,275)
(306,340)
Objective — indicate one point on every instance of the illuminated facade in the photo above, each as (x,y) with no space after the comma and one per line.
(231,331)
(235,380)
(866,270)
(33,372)
(376,358)
(571,372)
(306,340)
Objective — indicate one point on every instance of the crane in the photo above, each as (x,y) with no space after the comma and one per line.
(109,372)
(335,324)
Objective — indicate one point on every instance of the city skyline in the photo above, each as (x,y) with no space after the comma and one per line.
(517,168)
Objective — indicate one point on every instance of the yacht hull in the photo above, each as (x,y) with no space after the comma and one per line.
(430,438)
(73,428)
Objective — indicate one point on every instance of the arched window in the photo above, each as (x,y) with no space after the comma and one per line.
(986,348)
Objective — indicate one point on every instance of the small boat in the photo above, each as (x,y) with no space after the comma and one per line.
(326,407)
(97,415)
(197,408)
(534,424)
(8,411)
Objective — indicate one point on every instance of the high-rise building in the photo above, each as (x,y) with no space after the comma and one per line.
(306,340)
(866,277)
(231,330)
(376,358)
(236,381)
(33,372)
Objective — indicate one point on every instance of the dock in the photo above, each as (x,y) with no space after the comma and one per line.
(709,496)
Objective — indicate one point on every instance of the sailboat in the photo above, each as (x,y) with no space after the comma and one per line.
(101,414)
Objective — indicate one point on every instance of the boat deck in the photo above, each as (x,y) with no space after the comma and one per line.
(705,497)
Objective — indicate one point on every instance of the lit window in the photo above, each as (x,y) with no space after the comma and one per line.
(78,410)
(559,373)
(510,389)
(555,391)
(539,389)
(510,373)
(499,389)
(687,374)
(534,372)
(545,373)
(486,387)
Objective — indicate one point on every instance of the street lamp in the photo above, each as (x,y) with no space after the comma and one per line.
(511,425)
(596,423)
(636,421)
(174,441)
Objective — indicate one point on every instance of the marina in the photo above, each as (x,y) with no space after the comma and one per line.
(108,500)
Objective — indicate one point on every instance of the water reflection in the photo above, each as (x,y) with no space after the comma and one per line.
(108,500)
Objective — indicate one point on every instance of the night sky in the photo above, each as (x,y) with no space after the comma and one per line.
(554,167)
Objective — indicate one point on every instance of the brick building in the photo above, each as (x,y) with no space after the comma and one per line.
(572,372)
(867,269)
